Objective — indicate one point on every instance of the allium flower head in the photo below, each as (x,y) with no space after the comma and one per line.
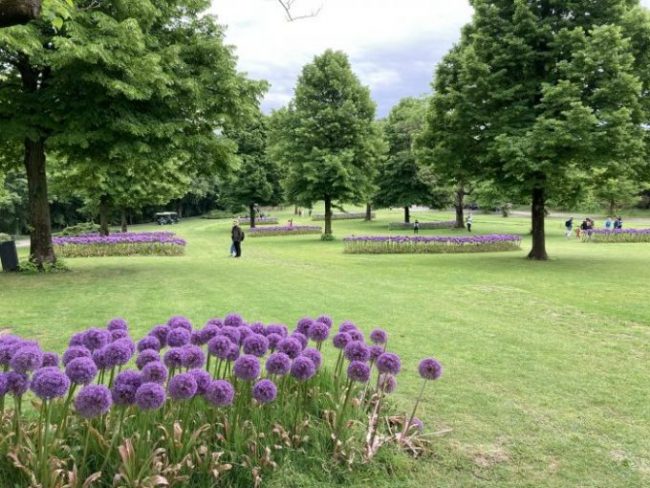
(278,363)
(49,382)
(18,383)
(193,357)
(160,332)
(359,371)
(118,353)
(149,342)
(356,335)
(173,358)
(290,346)
(318,332)
(75,352)
(378,336)
(209,332)
(202,378)
(247,367)
(119,334)
(129,377)
(430,369)
(220,393)
(233,320)
(303,368)
(314,355)
(154,372)
(325,319)
(232,333)
(278,329)
(93,401)
(180,322)
(4,384)
(100,359)
(341,340)
(196,338)
(50,359)
(178,337)
(26,359)
(256,344)
(274,340)
(347,326)
(118,323)
(7,351)
(216,322)
(375,351)
(356,351)
(182,386)
(81,371)
(387,383)
(220,346)
(257,328)
(96,338)
(416,425)
(233,353)
(77,339)
(264,391)
(146,356)
(123,394)
(150,396)
(302,339)
(244,332)
(389,363)
(304,324)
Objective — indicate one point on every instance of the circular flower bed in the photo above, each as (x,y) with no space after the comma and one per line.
(284,230)
(431,244)
(120,244)
(621,235)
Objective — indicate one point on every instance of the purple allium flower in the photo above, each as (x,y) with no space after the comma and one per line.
(233,353)
(325,319)
(196,338)
(77,339)
(256,344)
(119,334)
(265,391)
(341,340)
(118,353)
(387,383)
(154,372)
(359,371)
(318,332)
(178,337)
(93,401)
(389,363)
(100,359)
(96,338)
(231,333)
(49,382)
(216,322)
(304,324)
(314,355)
(278,329)
(118,323)
(180,322)
(18,383)
(233,320)
(50,359)
(274,340)
(378,336)
(430,369)
(7,351)
(202,379)
(416,424)
(290,346)
(193,357)
(182,386)
(220,393)
(302,339)
(278,363)
(356,351)
(247,367)
(174,357)
(347,326)
(150,396)
(146,356)
(356,335)
(123,394)
(160,332)
(220,346)
(75,352)
(303,368)
(4,384)
(81,371)
(26,359)
(148,342)
(375,352)
(129,377)
(244,332)
(209,332)
(258,328)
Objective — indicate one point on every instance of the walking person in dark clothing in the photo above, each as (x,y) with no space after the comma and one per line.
(469,221)
(237,238)
(416,227)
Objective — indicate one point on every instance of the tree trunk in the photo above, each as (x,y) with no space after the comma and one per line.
(368,212)
(538,252)
(328,215)
(458,205)
(179,208)
(41,250)
(14,12)
(251,213)
(612,207)
(124,221)
(104,215)
(407,215)
(295,209)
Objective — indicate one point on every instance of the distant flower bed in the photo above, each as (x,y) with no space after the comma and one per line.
(284,230)
(120,244)
(343,216)
(449,224)
(623,235)
(216,406)
(437,244)
(259,220)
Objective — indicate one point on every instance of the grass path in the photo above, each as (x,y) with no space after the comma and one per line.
(546,364)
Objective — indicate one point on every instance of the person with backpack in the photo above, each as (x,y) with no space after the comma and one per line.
(237,236)
(468,221)
(568,226)
(416,227)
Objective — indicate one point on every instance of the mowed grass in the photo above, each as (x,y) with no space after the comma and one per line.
(547,364)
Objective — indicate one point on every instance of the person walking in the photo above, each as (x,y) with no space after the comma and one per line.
(568,228)
(416,227)
(469,222)
(608,224)
(237,236)
(618,223)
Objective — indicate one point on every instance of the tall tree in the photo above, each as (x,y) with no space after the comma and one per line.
(329,141)
(14,12)
(556,87)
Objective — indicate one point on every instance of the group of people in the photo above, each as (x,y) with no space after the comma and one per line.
(586,228)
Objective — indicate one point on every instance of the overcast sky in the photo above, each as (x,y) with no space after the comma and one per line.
(393,45)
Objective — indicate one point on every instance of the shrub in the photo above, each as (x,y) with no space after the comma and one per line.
(5,237)
(284,230)
(219,214)
(212,415)
(450,224)
(424,245)
(259,220)
(622,235)
(81,229)
(343,216)
(28,267)
(120,244)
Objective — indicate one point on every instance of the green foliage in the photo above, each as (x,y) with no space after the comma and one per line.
(13,202)
(5,237)
(327,237)
(219,214)
(29,267)
(79,229)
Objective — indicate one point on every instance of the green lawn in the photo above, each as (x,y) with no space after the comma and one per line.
(546,377)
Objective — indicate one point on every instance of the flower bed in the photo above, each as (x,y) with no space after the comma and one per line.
(220,405)
(437,244)
(259,220)
(284,230)
(120,244)
(343,216)
(450,224)
(623,235)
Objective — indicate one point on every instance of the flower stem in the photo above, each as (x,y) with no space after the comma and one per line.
(417,402)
